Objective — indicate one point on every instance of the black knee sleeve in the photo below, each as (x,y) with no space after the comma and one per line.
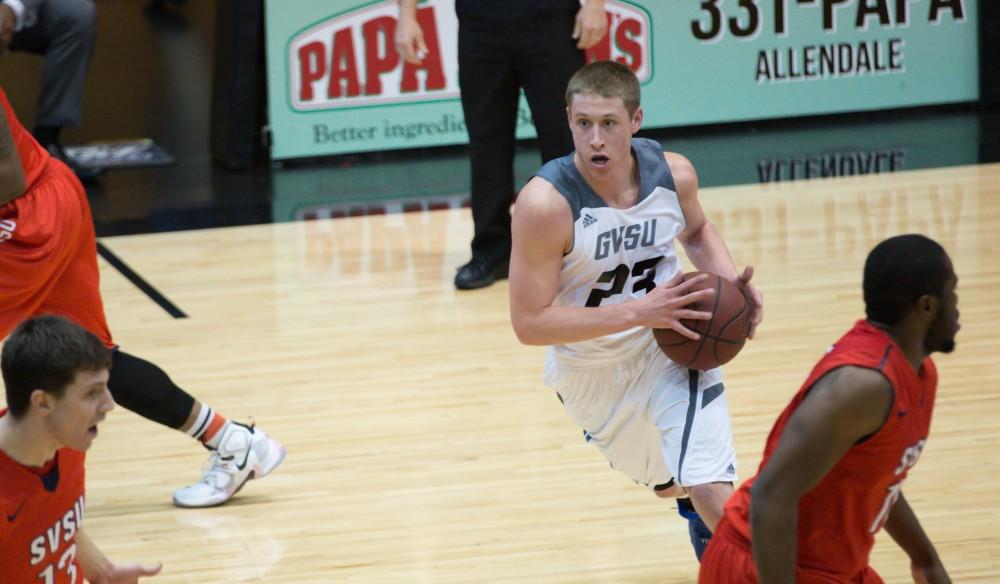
(145,389)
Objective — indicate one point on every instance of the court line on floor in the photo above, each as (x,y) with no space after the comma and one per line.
(139,282)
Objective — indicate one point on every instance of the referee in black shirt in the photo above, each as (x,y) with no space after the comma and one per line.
(504,46)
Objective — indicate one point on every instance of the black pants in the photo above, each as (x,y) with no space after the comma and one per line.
(495,60)
(65,33)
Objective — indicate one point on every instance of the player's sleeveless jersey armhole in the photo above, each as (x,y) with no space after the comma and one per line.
(806,391)
(671,180)
(888,412)
(572,232)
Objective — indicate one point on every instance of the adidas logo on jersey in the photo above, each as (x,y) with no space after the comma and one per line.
(588,220)
(7,228)
(731,469)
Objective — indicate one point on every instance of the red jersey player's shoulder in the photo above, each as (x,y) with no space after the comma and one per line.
(11,470)
(10,506)
(865,345)
(12,495)
(856,380)
(845,392)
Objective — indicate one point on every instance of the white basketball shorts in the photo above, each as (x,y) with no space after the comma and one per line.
(653,420)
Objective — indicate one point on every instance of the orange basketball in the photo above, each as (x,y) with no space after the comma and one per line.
(722,337)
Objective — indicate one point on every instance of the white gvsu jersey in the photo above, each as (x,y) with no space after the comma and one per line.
(618,254)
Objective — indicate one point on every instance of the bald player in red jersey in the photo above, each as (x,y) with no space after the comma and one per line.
(55,376)
(836,460)
(48,265)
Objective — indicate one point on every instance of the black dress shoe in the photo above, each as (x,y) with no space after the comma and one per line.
(480,274)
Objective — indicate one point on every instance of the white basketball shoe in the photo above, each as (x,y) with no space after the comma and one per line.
(244,453)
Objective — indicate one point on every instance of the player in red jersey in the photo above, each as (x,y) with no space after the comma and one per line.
(836,459)
(56,376)
(48,264)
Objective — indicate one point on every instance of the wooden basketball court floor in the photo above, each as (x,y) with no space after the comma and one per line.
(422,445)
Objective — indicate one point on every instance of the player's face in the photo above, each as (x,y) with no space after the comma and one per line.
(74,417)
(602,132)
(941,335)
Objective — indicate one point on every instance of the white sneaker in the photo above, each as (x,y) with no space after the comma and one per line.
(244,453)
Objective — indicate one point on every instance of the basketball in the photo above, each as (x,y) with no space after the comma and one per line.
(722,336)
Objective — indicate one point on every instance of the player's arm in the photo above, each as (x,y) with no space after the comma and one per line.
(98,569)
(905,529)
(702,241)
(844,406)
(11,173)
(542,231)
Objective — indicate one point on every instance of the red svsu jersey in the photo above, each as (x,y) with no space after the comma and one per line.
(34,158)
(41,510)
(840,516)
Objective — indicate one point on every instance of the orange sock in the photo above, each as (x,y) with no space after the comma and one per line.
(208,427)
(213,433)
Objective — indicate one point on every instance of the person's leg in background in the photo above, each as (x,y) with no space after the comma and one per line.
(65,33)
(546,61)
(489,101)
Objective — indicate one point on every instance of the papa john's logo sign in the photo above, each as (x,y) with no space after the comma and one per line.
(350,59)
(628,41)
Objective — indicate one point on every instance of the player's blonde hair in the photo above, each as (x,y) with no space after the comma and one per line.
(606,79)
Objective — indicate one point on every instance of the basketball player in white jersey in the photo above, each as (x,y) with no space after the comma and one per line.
(594,268)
